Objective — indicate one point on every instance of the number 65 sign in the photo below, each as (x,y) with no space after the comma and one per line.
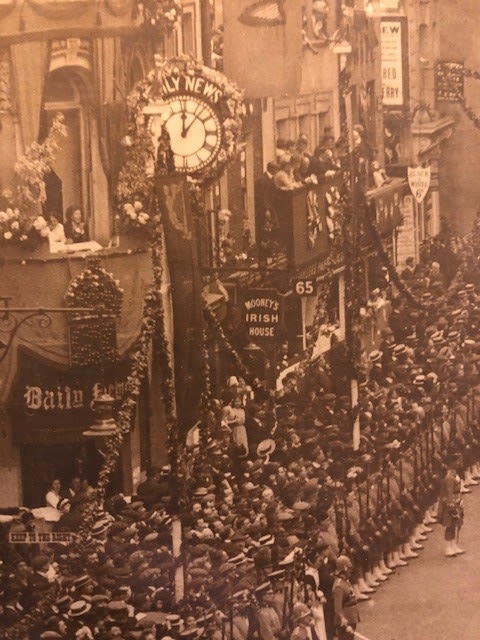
(305,287)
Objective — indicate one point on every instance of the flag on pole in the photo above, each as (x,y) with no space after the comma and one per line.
(263,46)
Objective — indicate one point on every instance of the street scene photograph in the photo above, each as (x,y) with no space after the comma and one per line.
(239,319)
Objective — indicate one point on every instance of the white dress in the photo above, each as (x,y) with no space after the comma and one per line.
(49,513)
(235,419)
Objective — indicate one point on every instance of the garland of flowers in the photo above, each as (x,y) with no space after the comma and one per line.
(37,161)
(126,413)
(332,262)
(392,272)
(135,184)
(17,224)
(95,287)
(206,396)
(135,180)
(160,16)
(218,329)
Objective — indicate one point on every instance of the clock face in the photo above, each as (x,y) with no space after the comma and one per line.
(195,132)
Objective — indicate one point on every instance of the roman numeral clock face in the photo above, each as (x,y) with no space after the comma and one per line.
(195,133)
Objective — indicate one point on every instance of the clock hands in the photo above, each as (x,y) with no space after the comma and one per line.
(185,129)
(199,109)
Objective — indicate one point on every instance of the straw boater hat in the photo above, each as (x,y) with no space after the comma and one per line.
(266,447)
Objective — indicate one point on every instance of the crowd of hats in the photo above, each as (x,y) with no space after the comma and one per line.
(253,518)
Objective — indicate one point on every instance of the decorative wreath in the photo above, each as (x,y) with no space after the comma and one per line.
(134,181)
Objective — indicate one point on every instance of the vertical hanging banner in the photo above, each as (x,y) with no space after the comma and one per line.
(394,60)
(263,46)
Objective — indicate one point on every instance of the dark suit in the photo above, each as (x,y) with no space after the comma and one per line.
(264,202)
(152,491)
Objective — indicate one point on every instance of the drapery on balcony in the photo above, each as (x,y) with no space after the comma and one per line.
(297,231)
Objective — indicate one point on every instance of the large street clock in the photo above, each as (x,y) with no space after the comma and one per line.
(194,115)
(195,132)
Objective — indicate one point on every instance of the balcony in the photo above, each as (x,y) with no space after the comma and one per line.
(296,236)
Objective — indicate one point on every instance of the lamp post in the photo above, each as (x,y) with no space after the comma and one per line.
(104,424)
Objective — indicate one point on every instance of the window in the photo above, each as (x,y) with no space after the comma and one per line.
(188,33)
(68,182)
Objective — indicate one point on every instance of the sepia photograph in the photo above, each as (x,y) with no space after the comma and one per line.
(239,319)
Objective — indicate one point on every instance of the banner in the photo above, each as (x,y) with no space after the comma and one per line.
(394,57)
(41,537)
(181,250)
(263,46)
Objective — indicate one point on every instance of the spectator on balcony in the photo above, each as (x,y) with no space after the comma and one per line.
(281,149)
(302,147)
(264,195)
(75,226)
(379,175)
(323,164)
(284,179)
(56,231)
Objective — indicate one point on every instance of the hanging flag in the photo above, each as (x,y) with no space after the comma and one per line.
(263,46)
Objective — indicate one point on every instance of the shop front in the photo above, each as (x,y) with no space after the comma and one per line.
(53,371)
(49,409)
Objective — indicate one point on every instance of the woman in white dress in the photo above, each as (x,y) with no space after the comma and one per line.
(52,498)
(50,513)
(234,417)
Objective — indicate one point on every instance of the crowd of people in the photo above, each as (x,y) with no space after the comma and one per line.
(287,522)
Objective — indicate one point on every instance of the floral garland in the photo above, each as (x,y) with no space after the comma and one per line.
(135,184)
(206,396)
(161,16)
(96,287)
(17,224)
(392,272)
(232,352)
(37,161)
(332,262)
(135,180)
(152,329)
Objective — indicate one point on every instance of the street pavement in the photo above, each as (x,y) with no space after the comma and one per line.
(434,597)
